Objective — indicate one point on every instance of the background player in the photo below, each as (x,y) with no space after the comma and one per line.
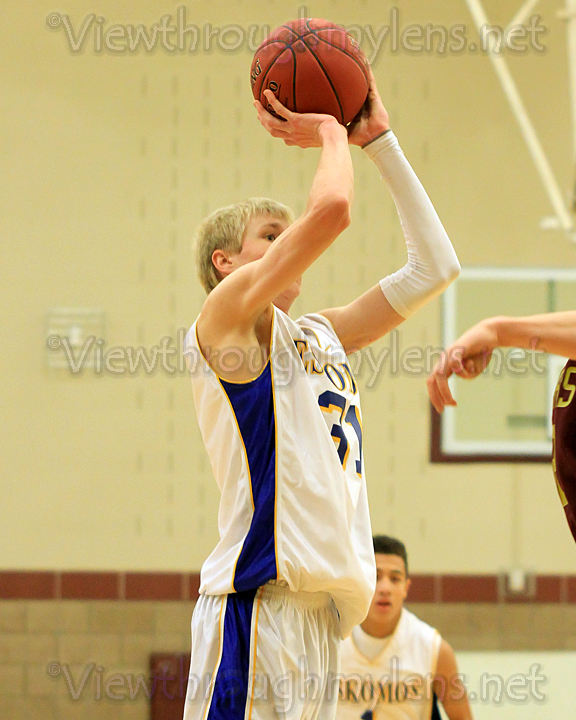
(280,416)
(396,659)
(550,332)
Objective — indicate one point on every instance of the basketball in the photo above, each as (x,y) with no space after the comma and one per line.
(312,66)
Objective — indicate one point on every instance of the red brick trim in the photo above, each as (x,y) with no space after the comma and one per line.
(194,587)
(154,586)
(470,588)
(27,585)
(422,588)
(548,588)
(571,589)
(90,586)
(425,588)
(16,585)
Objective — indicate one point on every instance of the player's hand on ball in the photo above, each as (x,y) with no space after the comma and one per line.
(301,129)
(371,121)
(468,357)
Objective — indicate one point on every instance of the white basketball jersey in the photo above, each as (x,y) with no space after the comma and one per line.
(396,685)
(286,451)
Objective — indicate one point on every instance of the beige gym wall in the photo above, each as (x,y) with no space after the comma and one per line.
(110,160)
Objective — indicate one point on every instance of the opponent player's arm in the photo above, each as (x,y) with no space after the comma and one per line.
(242,296)
(551,332)
(449,687)
(432,263)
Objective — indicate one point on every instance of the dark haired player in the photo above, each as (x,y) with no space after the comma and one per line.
(394,666)
(550,332)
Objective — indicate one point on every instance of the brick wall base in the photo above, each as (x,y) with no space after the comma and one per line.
(48,648)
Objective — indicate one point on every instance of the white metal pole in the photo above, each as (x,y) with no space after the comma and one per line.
(570,15)
(526,126)
(523,14)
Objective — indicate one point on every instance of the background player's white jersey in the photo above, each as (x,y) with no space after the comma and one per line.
(397,684)
(286,451)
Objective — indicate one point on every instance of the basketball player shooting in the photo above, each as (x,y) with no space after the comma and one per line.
(554,333)
(279,412)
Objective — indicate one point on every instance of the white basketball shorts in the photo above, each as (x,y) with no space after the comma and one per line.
(262,655)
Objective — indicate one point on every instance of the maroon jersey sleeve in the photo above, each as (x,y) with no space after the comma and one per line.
(564,441)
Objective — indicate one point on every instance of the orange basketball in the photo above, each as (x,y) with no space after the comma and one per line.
(312,65)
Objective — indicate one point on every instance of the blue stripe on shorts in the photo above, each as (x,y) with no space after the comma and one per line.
(231,686)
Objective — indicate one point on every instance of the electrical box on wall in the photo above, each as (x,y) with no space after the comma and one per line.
(71,337)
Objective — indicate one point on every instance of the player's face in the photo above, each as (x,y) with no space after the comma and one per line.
(391,589)
(261,232)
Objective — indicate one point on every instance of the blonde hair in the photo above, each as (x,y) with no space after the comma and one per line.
(224,229)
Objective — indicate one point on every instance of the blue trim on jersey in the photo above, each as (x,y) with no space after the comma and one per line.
(253,405)
(231,686)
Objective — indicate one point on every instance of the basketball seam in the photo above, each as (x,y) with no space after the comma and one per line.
(309,29)
(298,37)
(294,79)
(313,30)
(270,66)
(326,27)
(348,54)
(288,46)
(270,41)
(329,80)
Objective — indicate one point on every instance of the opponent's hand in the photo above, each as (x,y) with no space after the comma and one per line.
(301,129)
(467,357)
(371,121)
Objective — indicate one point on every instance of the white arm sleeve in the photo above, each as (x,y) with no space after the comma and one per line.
(432,263)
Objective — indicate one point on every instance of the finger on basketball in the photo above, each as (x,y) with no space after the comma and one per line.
(277,106)
(263,114)
(273,125)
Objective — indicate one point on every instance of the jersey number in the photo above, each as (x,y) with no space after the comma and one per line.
(563,384)
(330,401)
(566,385)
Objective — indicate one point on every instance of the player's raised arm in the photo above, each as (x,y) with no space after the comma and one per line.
(550,332)
(245,293)
(432,263)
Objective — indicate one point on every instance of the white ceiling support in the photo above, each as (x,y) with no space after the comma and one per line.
(523,14)
(529,133)
(569,14)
